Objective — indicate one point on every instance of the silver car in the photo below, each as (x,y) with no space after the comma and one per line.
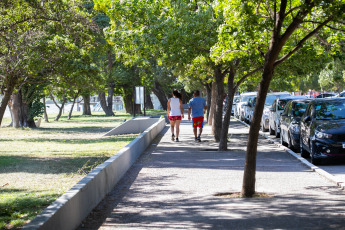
(276,110)
(268,104)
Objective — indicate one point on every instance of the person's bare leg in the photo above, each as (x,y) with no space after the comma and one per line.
(178,122)
(172,127)
(200,131)
(195,131)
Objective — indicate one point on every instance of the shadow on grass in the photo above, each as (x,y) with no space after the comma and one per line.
(24,206)
(57,165)
(84,129)
(79,141)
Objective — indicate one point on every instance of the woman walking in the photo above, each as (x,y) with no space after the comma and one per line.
(175,114)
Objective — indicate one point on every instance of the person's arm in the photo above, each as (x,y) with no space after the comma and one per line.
(181,107)
(168,109)
(189,110)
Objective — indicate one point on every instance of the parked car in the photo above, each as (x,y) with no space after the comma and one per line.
(323,130)
(244,97)
(324,95)
(234,104)
(290,122)
(268,104)
(276,110)
(247,108)
(342,94)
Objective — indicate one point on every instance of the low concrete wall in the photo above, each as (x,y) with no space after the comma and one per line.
(68,211)
(134,125)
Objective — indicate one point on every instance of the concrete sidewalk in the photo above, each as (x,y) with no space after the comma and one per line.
(174,186)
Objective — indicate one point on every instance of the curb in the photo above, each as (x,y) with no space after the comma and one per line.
(70,209)
(321,172)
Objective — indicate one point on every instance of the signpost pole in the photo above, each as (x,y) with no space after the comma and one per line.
(144,100)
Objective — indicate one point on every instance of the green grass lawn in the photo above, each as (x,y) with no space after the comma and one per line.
(39,165)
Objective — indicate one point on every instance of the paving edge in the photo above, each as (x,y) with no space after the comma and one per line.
(328,176)
(70,209)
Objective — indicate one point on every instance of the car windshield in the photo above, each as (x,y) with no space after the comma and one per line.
(246,98)
(299,108)
(331,110)
(270,99)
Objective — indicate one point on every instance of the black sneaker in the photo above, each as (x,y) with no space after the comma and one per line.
(177,140)
(173,137)
(196,139)
(199,140)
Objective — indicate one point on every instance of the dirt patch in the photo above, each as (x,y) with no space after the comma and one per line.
(238,195)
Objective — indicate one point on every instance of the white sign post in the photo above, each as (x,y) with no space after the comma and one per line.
(140,97)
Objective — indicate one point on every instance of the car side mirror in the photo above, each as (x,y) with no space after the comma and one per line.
(307,119)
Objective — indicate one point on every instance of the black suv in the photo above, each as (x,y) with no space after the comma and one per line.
(323,130)
(290,122)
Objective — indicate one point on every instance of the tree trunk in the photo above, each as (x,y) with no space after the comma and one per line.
(223,144)
(86,105)
(213,106)
(209,97)
(248,187)
(159,92)
(16,111)
(149,104)
(108,111)
(110,99)
(45,110)
(9,108)
(60,111)
(59,107)
(5,100)
(128,100)
(20,112)
(218,118)
(71,111)
(185,96)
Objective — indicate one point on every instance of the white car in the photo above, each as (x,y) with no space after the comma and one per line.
(243,104)
(234,105)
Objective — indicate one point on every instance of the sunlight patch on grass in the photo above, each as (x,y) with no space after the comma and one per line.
(38,165)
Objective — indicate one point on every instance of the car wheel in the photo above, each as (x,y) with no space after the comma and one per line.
(290,146)
(263,128)
(270,130)
(276,132)
(282,140)
(304,153)
(314,160)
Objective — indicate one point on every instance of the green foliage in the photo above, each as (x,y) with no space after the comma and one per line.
(332,78)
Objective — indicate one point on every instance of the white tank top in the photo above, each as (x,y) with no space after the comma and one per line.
(175,109)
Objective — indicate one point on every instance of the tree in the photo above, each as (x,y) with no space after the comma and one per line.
(29,31)
(171,32)
(332,77)
(273,28)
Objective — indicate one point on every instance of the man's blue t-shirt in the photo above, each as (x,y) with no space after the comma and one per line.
(197,104)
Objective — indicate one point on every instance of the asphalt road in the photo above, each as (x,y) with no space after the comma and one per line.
(335,168)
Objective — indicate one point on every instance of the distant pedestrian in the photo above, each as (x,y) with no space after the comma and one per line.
(197,107)
(175,114)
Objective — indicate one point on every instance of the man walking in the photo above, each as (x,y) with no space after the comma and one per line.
(197,106)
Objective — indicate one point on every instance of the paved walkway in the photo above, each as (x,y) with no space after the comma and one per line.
(173,186)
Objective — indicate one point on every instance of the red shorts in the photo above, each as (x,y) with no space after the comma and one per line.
(175,118)
(198,122)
